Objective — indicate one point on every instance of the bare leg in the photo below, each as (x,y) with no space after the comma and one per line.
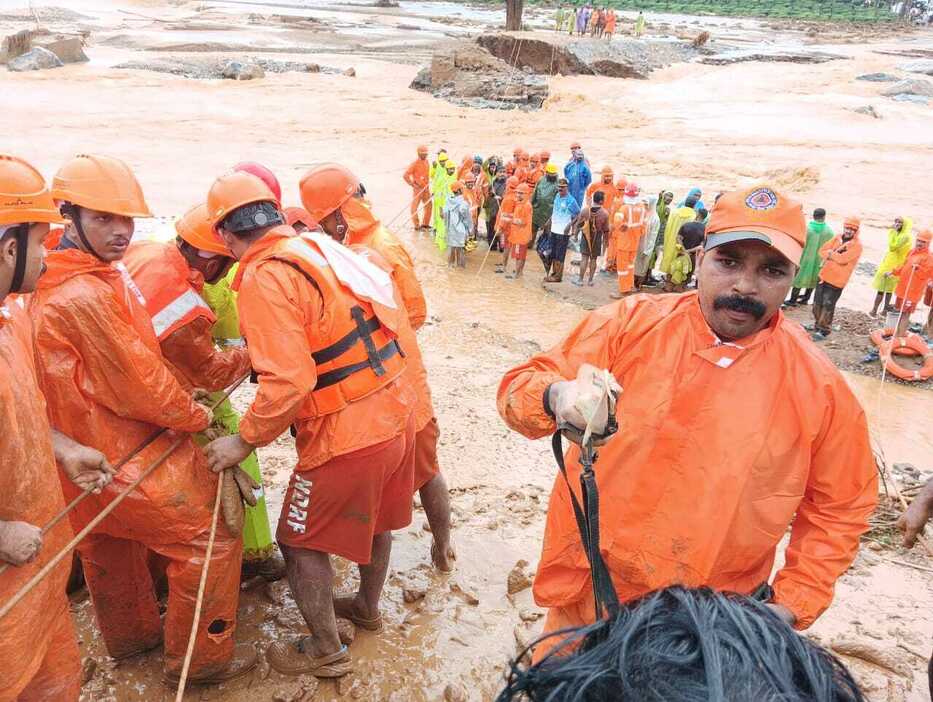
(584,264)
(887,303)
(902,324)
(519,267)
(436,502)
(311,579)
(373,577)
(874,308)
(592,271)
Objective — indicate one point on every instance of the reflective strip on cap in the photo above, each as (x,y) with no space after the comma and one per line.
(177,310)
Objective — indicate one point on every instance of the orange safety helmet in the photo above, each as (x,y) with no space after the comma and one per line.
(456,187)
(196,229)
(853,222)
(100,183)
(512,183)
(23,195)
(523,189)
(925,235)
(632,190)
(264,174)
(422,150)
(545,156)
(607,171)
(295,215)
(234,190)
(326,187)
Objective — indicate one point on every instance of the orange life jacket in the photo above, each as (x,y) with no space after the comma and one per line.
(169,285)
(354,345)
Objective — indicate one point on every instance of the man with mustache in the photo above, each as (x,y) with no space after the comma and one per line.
(732,426)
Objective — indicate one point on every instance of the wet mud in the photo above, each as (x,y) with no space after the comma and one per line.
(789,123)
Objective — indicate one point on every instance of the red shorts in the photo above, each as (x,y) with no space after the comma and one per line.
(519,251)
(339,506)
(904,305)
(426,466)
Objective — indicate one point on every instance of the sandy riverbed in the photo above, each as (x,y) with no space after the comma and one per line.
(689,124)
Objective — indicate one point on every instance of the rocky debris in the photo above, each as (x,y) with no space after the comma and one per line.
(385,3)
(908,469)
(700,40)
(530,615)
(36,59)
(924,66)
(350,72)
(616,60)
(413,594)
(346,631)
(16,45)
(474,78)
(906,97)
(212,69)
(299,690)
(776,55)
(468,596)
(868,110)
(910,86)
(68,49)
(523,640)
(518,578)
(242,70)
(455,693)
(878,77)
(888,658)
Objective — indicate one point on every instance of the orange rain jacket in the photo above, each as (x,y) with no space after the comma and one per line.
(838,267)
(720,445)
(417,175)
(520,234)
(281,315)
(30,492)
(367,230)
(917,279)
(611,193)
(366,233)
(181,319)
(107,386)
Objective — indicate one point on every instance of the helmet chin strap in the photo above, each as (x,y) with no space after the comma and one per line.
(21,234)
(73,212)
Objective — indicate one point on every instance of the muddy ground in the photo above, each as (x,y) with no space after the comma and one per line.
(716,126)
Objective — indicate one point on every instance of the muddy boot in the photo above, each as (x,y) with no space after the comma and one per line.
(243,660)
(293,658)
(557,272)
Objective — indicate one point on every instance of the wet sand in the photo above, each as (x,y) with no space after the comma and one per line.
(716,126)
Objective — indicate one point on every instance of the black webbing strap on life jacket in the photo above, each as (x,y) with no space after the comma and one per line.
(587,516)
(363,333)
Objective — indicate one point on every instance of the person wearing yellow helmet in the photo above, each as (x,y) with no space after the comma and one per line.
(108,385)
(38,634)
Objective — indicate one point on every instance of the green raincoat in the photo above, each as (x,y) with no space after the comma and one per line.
(899,246)
(257,536)
(542,202)
(818,233)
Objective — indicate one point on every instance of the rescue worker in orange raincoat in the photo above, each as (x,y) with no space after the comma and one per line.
(732,428)
(628,228)
(348,221)
(504,220)
(107,385)
(172,277)
(321,328)
(37,638)
(915,278)
(840,257)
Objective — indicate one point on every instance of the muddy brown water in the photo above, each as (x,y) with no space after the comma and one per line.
(789,123)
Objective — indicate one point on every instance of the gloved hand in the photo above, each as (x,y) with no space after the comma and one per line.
(587,402)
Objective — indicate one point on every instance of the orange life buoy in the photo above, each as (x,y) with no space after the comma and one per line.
(916,342)
(879,336)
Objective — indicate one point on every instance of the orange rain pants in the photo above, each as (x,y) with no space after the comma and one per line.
(628,227)
(720,448)
(39,657)
(107,386)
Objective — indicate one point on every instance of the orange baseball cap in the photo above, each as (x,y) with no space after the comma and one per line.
(760,213)
(925,236)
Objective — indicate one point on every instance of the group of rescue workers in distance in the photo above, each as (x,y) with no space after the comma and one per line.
(103,341)
(529,202)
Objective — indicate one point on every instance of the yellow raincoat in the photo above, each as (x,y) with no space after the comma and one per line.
(899,245)
(677,218)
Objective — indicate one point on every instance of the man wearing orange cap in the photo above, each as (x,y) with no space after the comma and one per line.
(107,385)
(840,257)
(321,325)
(37,638)
(172,279)
(730,430)
(520,231)
(417,177)
(915,279)
(628,230)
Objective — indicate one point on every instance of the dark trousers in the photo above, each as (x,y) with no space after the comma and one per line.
(824,306)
